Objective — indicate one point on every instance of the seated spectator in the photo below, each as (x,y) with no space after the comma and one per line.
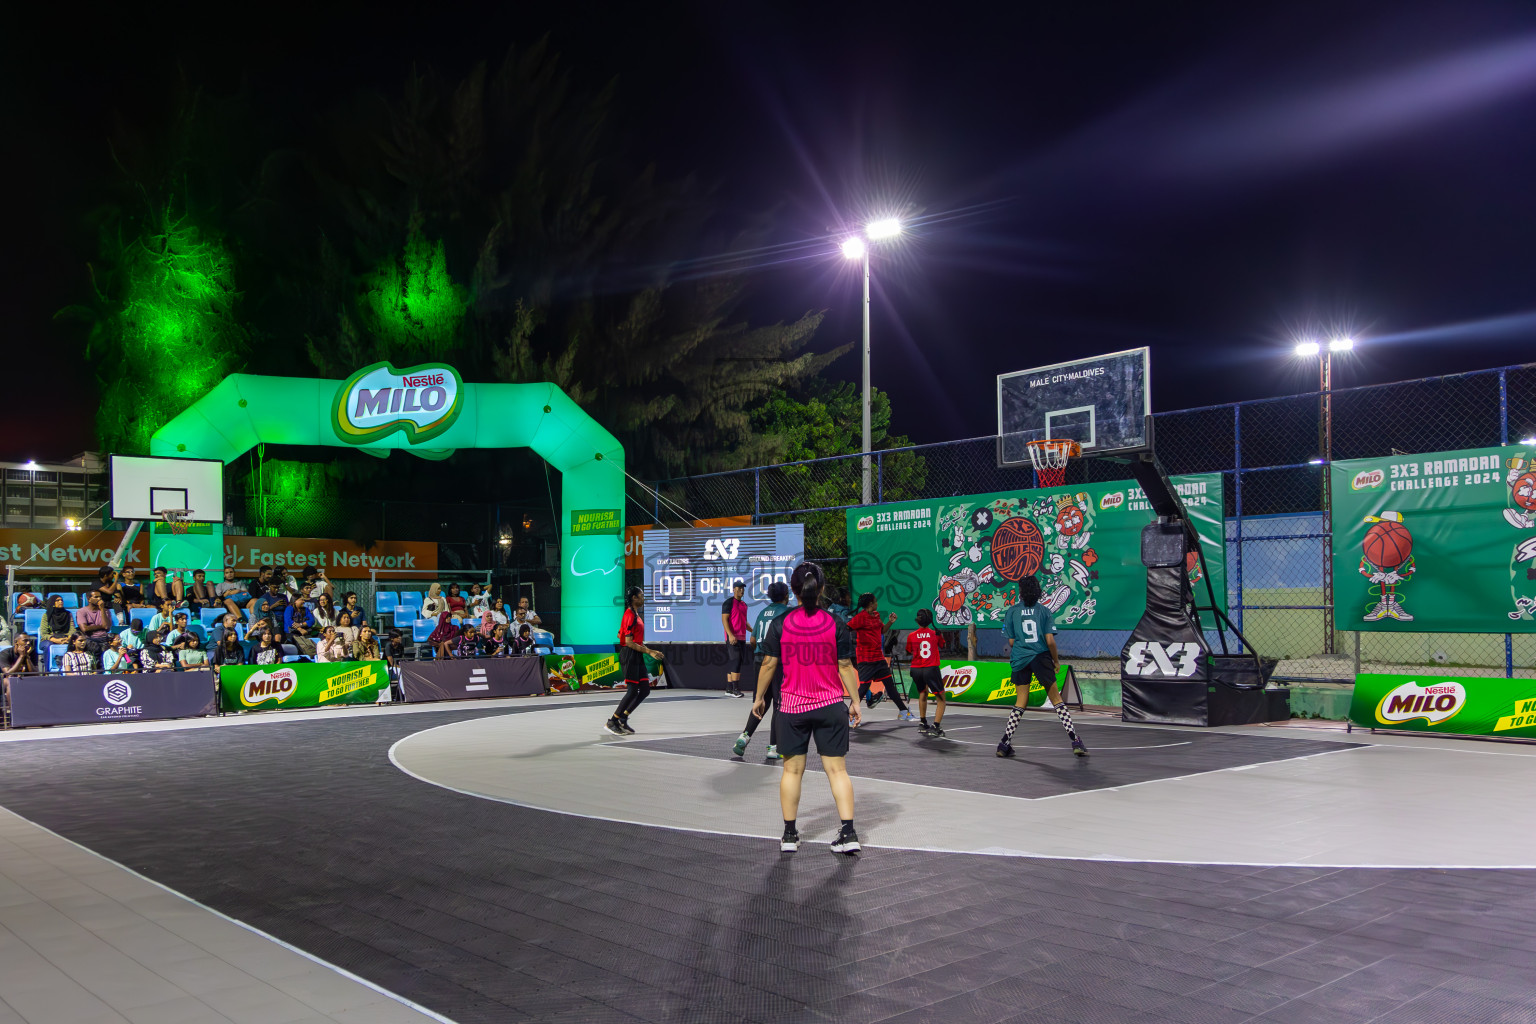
(283,580)
(331,646)
(300,627)
(116,659)
(525,613)
(107,585)
(280,593)
(350,605)
(201,594)
(315,584)
(182,627)
(267,651)
(458,608)
(479,600)
(228,650)
(344,627)
(77,660)
(58,624)
(366,646)
(499,612)
(465,646)
(156,657)
(229,592)
(165,618)
(257,589)
(445,633)
(522,643)
(188,647)
(393,647)
(18,658)
(133,636)
(434,604)
(496,647)
(324,610)
(5,630)
(225,626)
(94,621)
(129,593)
(162,590)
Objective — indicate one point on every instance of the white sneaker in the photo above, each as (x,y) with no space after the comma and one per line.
(1378,613)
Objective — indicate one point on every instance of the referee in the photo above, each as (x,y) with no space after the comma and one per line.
(816,653)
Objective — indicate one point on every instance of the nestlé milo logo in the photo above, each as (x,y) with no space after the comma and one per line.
(274,686)
(1435,703)
(377,400)
(1114,500)
(1367,478)
(865,522)
(958,680)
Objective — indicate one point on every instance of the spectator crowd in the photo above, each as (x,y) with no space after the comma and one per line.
(158,625)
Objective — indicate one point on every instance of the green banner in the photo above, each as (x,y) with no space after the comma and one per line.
(588,522)
(1470,705)
(958,555)
(573,671)
(300,684)
(990,682)
(1436,543)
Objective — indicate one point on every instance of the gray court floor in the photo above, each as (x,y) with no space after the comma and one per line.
(331,836)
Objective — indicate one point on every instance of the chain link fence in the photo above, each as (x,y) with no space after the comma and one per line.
(1271,456)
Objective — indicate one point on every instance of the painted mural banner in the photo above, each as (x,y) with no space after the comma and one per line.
(1444,542)
(960,556)
(1468,705)
(301,684)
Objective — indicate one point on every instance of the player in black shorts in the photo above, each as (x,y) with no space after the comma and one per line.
(923,647)
(632,654)
(738,657)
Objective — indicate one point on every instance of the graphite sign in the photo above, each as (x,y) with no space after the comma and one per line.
(421,402)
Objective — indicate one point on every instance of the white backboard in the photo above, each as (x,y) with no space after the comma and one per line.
(143,487)
(1101,402)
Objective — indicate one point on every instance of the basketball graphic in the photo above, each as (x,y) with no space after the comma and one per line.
(1069,521)
(1523,491)
(1017,548)
(952,595)
(1387,544)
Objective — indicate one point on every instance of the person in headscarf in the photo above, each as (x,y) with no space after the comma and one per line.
(487,622)
(58,624)
(156,657)
(435,603)
(446,633)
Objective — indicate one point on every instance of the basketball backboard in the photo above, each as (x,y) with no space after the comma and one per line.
(1101,402)
(144,488)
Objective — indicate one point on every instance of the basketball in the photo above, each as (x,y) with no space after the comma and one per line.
(1070,521)
(1017,548)
(952,595)
(1387,544)
(1524,491)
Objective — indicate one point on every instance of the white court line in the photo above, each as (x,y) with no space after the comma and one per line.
(1057,746)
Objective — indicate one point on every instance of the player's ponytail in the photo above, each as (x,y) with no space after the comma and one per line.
(1029,591)
(806,581)
(924,618)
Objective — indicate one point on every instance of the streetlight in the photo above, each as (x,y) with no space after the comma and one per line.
(1324,356)
(855,248)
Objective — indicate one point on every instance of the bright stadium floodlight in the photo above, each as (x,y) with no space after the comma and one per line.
(853,248)
(1528,440)
(1308,348)
(1341,345)
(885,227)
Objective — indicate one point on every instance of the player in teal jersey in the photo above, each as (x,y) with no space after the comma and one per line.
(778,597)
(1030,631)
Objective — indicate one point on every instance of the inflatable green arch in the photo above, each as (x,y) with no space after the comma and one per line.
(430,412)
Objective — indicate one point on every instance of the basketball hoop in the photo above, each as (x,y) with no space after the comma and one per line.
(176,519)
(1050,458)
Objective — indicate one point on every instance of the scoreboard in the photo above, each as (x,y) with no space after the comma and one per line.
(689,573)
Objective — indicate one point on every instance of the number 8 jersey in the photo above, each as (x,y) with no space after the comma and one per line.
(923,645)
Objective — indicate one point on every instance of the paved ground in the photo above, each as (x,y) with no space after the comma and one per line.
(482,910)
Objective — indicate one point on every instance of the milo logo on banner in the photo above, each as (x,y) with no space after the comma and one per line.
(958,680)
(421,402)
(264,686)
(1435,703)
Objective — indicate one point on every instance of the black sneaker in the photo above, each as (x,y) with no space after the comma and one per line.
(790,841)
(624,724)
(1078,748)
(614,726)
(847,841)
(935,731)
(1005,749)
(876,698)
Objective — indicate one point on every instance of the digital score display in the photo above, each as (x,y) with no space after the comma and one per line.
(688,576)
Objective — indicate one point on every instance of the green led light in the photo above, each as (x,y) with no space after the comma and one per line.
(415,303)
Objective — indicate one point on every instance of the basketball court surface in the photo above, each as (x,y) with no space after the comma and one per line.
(509,861)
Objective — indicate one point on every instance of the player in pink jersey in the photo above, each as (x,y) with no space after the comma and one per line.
(816,654)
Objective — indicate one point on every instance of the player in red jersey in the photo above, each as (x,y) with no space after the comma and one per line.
(869,655)
(632,652)
(923,646)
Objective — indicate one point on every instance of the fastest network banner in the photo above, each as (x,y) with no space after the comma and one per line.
(959,556)
(1444,542)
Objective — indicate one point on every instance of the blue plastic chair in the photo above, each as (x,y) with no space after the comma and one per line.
(211,616)
(32,620)
(71,600)
(385,602)
(542,650)
(411,599)
(56,654)
(563,651)
(421,630)
(543,637)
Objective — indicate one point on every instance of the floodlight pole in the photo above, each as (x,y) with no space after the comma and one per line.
(867,445)
(1325,430)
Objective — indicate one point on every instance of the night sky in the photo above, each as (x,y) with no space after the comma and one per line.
(1213,180)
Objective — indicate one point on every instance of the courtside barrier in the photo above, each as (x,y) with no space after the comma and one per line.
(300,684)
(471,678)
(76,700)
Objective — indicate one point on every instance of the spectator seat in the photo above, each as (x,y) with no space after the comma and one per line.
(32,620)
(385,602)
(421,630)
(71,599)
(210,616)
(56,654)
